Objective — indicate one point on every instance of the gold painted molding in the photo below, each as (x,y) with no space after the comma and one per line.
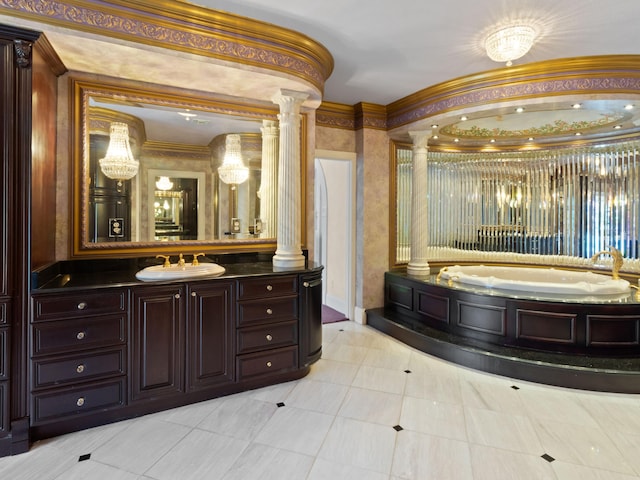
(356,117)
(336,115)
(188,28)
(566,76)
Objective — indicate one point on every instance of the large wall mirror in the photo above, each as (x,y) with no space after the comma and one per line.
(178,197)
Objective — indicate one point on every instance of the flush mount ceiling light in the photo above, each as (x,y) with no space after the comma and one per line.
(510,42)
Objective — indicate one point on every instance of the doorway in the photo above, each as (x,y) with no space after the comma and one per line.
(334,221)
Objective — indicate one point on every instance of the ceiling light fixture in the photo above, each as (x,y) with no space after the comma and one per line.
(232,171)
(119,164)
(164,183)
(510,42)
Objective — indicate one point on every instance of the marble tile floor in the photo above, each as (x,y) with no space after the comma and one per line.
(371,409)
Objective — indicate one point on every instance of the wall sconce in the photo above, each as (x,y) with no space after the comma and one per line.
(119,164)
(232,171)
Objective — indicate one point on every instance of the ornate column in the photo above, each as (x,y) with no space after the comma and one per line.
(269,179)
(289,250)
(418,264)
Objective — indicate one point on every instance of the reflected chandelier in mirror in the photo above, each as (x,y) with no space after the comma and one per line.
(182,138)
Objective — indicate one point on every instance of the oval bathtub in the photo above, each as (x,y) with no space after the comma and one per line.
(535,280)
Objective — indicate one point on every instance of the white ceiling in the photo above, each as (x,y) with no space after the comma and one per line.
(385,50)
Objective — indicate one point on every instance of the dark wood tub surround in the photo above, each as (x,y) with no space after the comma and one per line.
(591,345)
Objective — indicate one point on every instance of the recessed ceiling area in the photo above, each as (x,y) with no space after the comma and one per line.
(540,124)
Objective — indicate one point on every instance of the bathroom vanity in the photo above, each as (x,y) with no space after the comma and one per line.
(104,346)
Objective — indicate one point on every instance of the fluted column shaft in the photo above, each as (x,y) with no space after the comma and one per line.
(269,179)
(418,264)
(289,250)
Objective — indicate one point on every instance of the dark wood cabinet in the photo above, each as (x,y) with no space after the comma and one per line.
(16,88)
(311,311)
(210,333)
(157,342)
(267,326)
(78,354)
(102,354)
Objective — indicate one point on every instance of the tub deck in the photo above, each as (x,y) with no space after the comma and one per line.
(593,345)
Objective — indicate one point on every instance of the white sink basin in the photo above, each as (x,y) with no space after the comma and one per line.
(175,272)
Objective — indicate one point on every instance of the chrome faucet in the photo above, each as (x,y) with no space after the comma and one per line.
(617,260)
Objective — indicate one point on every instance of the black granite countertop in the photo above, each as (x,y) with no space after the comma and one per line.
(95,273)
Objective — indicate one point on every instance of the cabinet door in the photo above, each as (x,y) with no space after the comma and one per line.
(210,335)
(157,342)
(310,318)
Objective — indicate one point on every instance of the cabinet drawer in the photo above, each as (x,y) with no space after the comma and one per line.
(62,336)
(48,373)
(267,310)
(3,314)
(78,401)
(261,287)
(274,335)
(79,305)
(267,363)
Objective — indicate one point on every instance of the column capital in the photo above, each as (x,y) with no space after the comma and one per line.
(269,127)
(289,100)
(421,138)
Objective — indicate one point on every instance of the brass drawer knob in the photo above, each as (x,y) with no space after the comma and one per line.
(80,401)
(269,288)
(177,295)
(80,368)
(269,311)
(82,305)
(269,338)
(269,364)
(193,294)
(80,335)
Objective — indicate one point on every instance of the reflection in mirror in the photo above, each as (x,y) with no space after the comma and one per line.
(177,193)
(174,202)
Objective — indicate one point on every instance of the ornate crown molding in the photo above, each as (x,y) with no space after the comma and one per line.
(187,28)
(575,76)
(370,115)
(336,115)
(361,115)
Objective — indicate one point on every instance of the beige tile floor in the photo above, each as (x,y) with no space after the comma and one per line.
(371,408)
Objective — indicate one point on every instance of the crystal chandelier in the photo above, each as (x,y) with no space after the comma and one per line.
(118,163)
(510,43)
(232,171)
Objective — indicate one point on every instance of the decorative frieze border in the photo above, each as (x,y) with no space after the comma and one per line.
(356,117)
(611,74)
(187,28)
